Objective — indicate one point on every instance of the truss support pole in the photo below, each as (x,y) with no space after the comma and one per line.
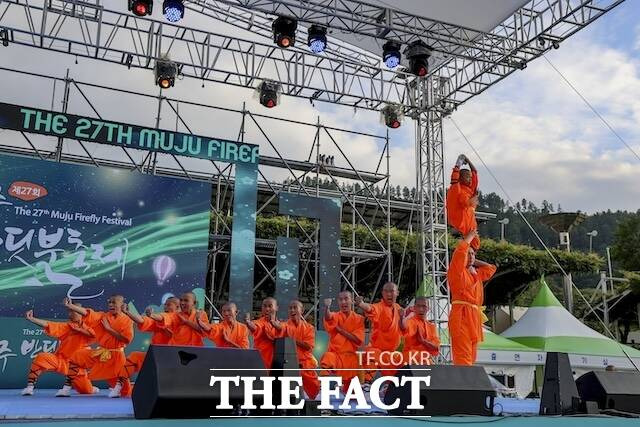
(65,106)
(433,251)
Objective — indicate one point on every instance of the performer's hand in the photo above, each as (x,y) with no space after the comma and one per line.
(247,317)
(125,308)
(200,322)
(105,323)
(66,302)
(183,319)
(359,300)
(148,312)
(461,160)
(469,237)
(29,315)
(327,302)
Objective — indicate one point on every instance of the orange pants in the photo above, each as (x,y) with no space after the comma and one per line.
(310,382)
(464,347)
(50,362)
(386,361)
(338,361)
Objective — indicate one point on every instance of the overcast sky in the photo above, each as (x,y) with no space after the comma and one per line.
(535,134)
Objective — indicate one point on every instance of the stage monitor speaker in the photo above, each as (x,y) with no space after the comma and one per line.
(453,390)
(611,390)
(559,392)
(174,381)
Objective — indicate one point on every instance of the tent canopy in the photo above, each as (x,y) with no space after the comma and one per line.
(548,326)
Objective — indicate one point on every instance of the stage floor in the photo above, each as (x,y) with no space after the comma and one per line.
(44,409)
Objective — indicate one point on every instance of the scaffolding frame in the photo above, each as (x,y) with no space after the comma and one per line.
(466,63)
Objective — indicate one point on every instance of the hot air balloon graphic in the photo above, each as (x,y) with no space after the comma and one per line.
(163,267)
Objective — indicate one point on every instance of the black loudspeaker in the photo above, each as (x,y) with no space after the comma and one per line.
(611,390)
(453,390)
(285,364)
(559,392)
(174,381)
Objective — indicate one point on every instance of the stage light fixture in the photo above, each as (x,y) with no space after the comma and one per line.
(141,7)
(418,54)
(268,93)
(391,54)
(165,73)
(317,39)
(392,116)
(284,31)
(173,10)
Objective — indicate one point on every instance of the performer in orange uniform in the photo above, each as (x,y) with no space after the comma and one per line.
(184,325)
(263,330)
(346,335)
(304,336)
(72,336)
(420,336)
(229,333)
(462,199)
(465,277)
(113,332)
(160,335)
(385,317)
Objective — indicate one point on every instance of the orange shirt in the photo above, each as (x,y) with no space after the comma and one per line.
(120,322)
(158,332)
(461,213)
(263,338)
(236,332)
(69,340)
(385,326)
(463,284)
(419,327)
(305,332)
(352,323)
(184,334)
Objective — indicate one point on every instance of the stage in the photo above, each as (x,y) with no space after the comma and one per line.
(44,409)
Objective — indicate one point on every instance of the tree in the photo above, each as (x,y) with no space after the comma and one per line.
(626,244)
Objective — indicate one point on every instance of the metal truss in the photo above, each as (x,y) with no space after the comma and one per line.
(361,205)
(433,248)
(470,60)
(92,31)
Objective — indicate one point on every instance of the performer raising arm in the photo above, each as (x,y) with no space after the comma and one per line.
(113,331)
(346,335)
(385,317)
(465,277)
(462,199)
(420,336)
(72,336)
(229,333)
(183,324)
(263,330)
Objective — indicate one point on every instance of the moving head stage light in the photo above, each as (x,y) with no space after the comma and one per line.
(165,72)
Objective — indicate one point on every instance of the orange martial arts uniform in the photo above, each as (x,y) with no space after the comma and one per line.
(69,341)
(467,315)
(263,338)
(341,353)
(385,337)
(305,332)
(107,361)
(184,334)
(159,336)
(461,213)
(238,333)
(415,353)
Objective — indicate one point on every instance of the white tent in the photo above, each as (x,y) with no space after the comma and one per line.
(548,326)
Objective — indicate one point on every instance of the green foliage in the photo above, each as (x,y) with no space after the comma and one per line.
(626,244)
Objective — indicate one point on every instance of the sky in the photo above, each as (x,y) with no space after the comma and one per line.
(535,135)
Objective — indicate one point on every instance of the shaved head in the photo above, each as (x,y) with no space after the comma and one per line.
(229,312)
(114,303)
(389,293)
(295,310)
